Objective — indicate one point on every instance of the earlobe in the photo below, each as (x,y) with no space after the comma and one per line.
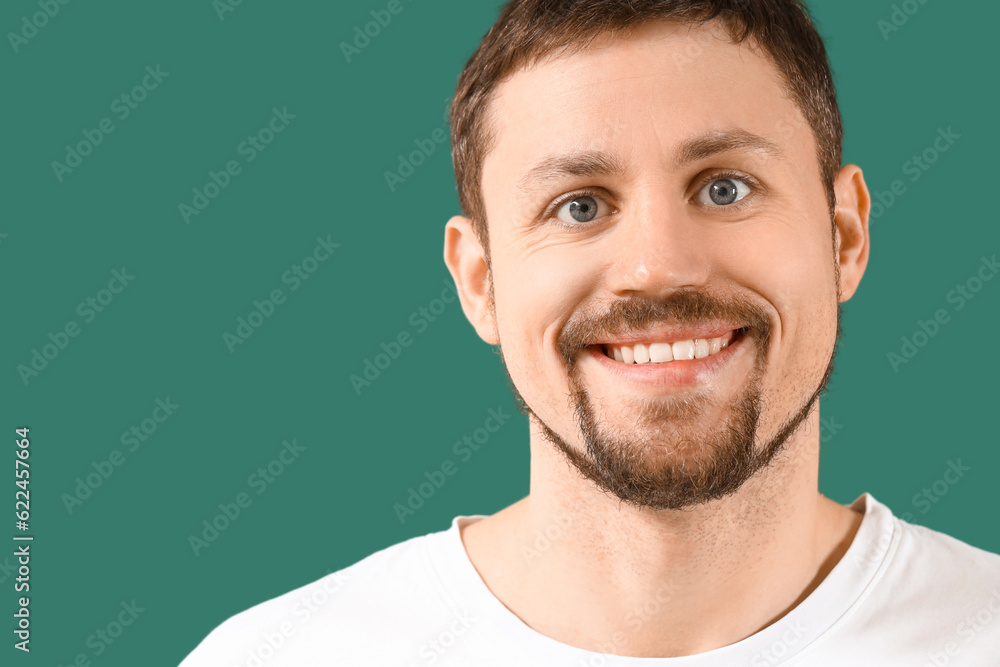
(466,260)
(851,216)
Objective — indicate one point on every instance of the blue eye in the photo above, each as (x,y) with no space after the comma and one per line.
(582,209)
(723,191)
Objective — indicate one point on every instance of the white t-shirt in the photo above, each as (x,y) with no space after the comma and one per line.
(902,595)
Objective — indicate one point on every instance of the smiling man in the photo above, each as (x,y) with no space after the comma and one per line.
(658,235)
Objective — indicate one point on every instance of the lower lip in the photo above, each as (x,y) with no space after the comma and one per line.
(670,374)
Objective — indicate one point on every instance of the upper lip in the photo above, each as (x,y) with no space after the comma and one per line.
(670,334)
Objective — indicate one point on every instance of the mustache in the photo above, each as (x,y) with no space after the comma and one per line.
(681,308)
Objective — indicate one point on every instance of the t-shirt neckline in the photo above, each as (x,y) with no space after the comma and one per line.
(828,604)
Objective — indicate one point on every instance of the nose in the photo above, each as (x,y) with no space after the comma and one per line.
(658,248)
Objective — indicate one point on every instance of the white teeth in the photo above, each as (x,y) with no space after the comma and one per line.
(661,353)
(684,349)
(641,354)
(628,356)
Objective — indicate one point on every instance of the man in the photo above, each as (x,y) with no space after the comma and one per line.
(658,235)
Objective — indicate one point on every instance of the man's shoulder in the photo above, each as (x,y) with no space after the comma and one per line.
(936,592)
(905,594)
(948,557)
(921,555)
(341,609)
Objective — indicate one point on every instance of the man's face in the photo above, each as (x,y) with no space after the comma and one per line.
(681,216)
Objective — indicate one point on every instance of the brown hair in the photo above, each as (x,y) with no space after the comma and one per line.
(529,30)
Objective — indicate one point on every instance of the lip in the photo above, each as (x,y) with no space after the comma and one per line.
(672,374)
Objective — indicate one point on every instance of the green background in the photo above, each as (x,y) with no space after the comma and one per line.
(324,175)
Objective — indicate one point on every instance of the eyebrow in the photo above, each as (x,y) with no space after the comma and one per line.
(582,163)
(598,164)
(722,141)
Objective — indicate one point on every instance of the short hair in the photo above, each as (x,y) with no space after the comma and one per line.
(529,30)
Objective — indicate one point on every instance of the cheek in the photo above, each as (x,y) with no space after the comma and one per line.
(796,264)
(536,293)
(789,262)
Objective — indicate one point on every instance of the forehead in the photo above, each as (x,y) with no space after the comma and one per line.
(640,98)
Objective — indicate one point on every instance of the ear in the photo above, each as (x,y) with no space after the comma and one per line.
(851,216)
(466,260)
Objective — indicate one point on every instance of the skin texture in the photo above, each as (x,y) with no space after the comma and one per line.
(720,569)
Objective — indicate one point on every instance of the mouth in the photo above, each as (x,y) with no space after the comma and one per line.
(664,349)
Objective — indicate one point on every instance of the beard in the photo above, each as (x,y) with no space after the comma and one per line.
(674,455)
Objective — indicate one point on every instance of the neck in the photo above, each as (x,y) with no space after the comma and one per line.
(581,567)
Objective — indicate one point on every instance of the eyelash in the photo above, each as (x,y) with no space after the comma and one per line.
(550,213)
